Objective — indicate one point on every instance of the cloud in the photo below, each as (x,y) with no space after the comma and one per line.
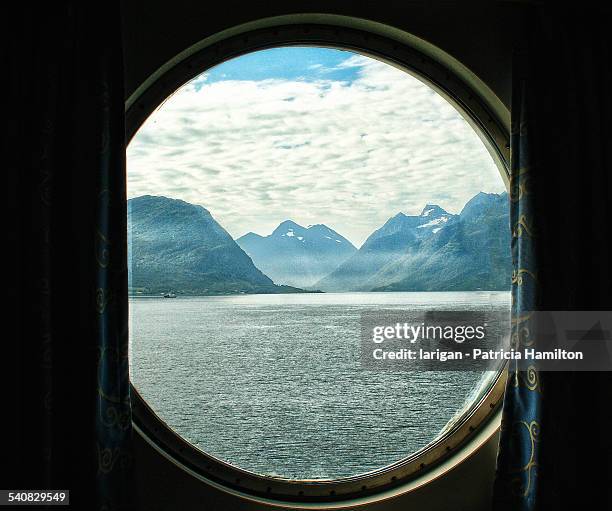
(349,154)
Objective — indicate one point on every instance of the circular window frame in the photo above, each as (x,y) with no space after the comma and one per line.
(492,132)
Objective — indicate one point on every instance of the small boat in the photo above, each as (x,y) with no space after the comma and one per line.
(170,295)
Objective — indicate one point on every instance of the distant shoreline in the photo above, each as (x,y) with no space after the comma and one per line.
(161,295)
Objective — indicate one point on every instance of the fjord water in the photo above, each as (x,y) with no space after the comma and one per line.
(274,384)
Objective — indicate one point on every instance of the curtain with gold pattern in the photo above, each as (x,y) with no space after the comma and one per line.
(519,446)
(65,75)
(555,445)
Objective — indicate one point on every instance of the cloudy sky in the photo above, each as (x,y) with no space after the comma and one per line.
(313,135)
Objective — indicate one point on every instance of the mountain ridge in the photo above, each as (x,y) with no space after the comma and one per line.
(178,246)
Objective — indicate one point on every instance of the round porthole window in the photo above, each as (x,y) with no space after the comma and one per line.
(280,196)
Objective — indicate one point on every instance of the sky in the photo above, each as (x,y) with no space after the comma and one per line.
(313,135)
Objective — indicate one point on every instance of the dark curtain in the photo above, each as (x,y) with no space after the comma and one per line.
(66,166)
(555,448)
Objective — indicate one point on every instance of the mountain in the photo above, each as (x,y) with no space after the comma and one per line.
(295,255)
(174,245)
(399,235)
(434,251)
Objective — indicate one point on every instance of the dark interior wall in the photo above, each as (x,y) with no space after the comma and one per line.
(480,34)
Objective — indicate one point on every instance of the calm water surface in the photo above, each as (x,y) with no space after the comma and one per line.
(274,384)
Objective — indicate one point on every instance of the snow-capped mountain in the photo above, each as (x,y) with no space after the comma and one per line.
(433,251)
(387,244)
(295,255)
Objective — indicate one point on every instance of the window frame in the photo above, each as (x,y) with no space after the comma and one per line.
(494,135)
